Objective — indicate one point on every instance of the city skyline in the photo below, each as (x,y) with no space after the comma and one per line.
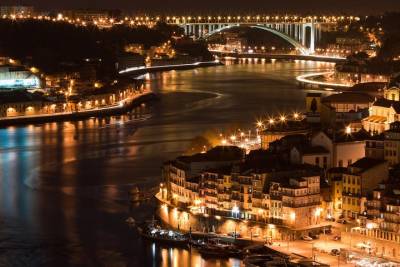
(224,6)
(172,133)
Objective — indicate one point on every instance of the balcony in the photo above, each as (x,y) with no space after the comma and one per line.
(391,218)
(300,205)
(210,194)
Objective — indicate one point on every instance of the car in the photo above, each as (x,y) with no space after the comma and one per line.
(336,238)
(335,252)
(342,221)
(306,238)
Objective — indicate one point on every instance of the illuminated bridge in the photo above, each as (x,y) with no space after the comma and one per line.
(302,32)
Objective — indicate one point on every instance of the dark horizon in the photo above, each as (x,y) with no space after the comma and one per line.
(222,6)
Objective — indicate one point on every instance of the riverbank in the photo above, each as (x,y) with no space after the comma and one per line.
(81,171)
(122,107)
(279,56)
(318,80)
(135,71)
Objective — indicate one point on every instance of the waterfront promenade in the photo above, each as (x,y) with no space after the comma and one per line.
(252,233)
(118,108)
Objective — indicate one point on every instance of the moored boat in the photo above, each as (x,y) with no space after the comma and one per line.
(165,236)
(217,249)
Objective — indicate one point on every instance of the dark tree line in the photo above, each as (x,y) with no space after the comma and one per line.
(52,46)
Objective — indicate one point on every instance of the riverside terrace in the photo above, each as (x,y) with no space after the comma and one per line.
(22,104)
(260,187)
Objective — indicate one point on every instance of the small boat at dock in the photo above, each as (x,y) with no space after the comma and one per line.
(218,249)
(165,236)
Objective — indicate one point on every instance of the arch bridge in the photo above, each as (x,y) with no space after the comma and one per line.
(294,32)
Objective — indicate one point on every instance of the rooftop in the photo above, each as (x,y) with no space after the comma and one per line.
(287,126)
(218,153)
(349,98)
(383,102)
(18,96)
(342,137)
(364,164)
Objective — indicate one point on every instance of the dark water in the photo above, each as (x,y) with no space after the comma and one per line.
(63,186)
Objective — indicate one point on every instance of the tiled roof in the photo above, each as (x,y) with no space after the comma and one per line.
(383,102)
(366,163)
(348,97)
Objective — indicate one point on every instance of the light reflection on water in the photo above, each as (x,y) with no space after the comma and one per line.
(63,186)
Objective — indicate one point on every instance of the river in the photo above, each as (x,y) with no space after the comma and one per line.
(63,186)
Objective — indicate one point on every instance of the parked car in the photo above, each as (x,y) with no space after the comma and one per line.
(336,238)
(342,221)
(306,238)
(335,252)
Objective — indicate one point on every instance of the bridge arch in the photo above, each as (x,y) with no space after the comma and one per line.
(301,48)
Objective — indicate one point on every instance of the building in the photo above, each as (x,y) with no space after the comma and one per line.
(335,181)
(178,172)
(91,14)
(235,43)
(346,107)
(313,155)
(383,112)
(374,146)
(21,103)
(17,77)
(385,145)
(361,178)
(392,144)
(344,148)
(276,130)
(17,10)
(301,201)
(379,233)
(261,188)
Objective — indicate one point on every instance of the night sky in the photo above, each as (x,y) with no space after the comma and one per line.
(226,6)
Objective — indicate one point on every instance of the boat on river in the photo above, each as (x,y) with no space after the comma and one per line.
(218,249)
(264,260)
(157,234)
